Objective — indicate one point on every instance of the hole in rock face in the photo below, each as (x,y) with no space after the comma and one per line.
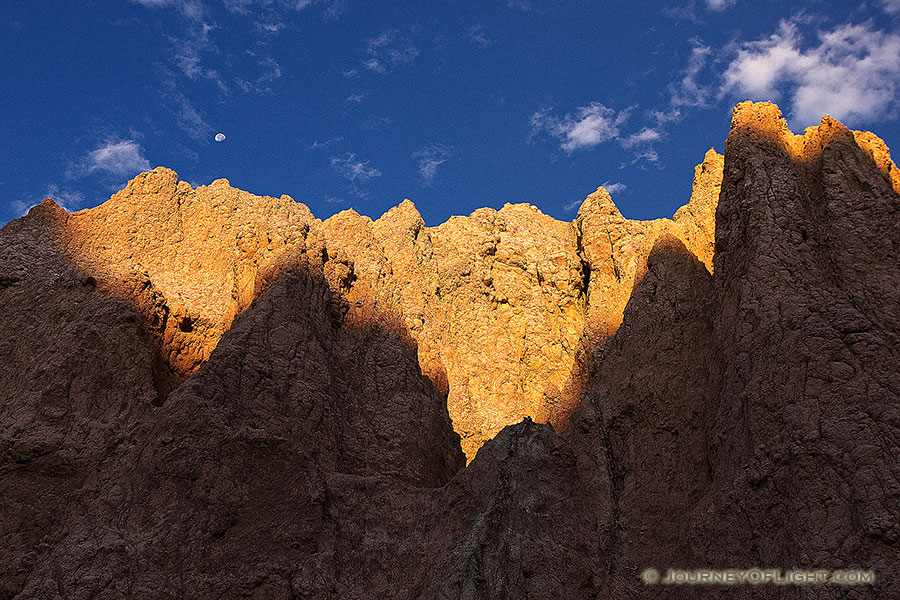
(186,325)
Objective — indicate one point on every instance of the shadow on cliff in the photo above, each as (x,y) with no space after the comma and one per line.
(746,417)
(238,465)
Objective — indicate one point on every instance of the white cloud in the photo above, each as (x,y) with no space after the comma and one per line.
(388,50)
(647,135)
(271,71)
(538,6)
(192,9)
(186,56)
(475,33)
(357,97)
(122,158)
(68,199)
(614,188)
(573,205)
(852,74)
(190,121)
(429,159)
(272,27)
(334,8)
(646,157)
(890,6)
(719,5)
(186,50)
(323,144)
(373,64)
(241,7)
(589,126)
(688,91)
(20,208)
(354,170)
(245,6)
(664,117)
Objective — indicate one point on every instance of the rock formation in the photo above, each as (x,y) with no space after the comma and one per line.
(212,394)
(186,259)
(502,305)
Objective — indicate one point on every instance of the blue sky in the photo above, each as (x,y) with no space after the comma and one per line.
(453,104)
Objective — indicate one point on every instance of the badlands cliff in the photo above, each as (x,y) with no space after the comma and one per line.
(503,306)
(207,393)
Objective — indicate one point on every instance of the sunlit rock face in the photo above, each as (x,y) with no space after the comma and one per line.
(186,259)
(503,305)
(507,308)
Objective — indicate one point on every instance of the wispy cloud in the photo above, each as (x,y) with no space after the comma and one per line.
(520,4)
(325,143)
(186,56)
(244,7)
(890,6)
(333,8)
(241,7)
(388,50)
(646,157)
(688,91)
(189,120)
(429,159)
(357,97)
(587,127)
(476,35)
(188,47)
(120,158)
(853,73)
(719,5)
(68,199)
(595,124)
(270,70)
(20,207)
(270,27)
(357,172)
(645,136)
(612,188)
(192,9)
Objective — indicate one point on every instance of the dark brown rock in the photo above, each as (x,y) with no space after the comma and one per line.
(77,374)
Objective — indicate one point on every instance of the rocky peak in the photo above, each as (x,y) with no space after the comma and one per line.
(186,259)
(493,301)
(763,121)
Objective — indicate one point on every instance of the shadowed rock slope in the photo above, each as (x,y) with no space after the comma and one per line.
(736,416)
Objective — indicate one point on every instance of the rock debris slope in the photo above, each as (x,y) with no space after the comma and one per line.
(291,417)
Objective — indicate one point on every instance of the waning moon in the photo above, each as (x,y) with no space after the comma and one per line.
(220,137)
